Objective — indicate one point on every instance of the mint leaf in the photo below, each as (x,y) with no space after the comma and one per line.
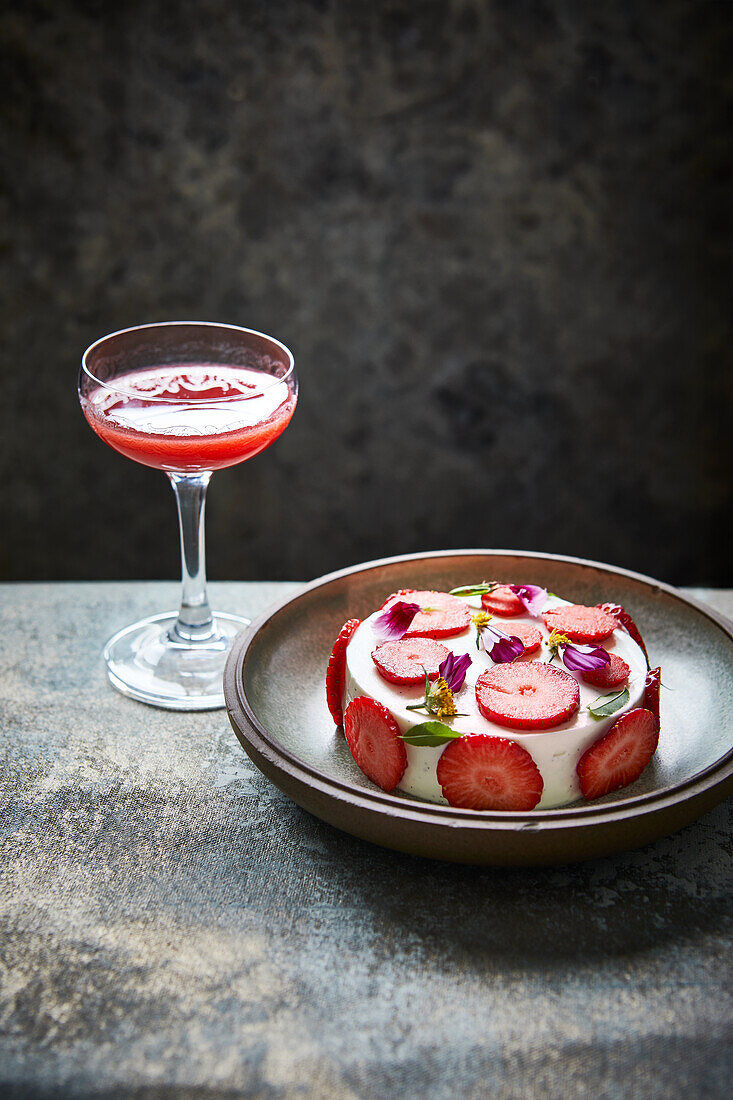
(430,734)
(475,589)
(609,704)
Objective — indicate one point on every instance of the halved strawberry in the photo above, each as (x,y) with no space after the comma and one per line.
(580,623)
(374,739)
(620,756)
(610,675)
(336,671)
(448,614)
(529,696)
(529,635)
(624,619)
(403,661)
(502,601)
(481,772)
(651,691)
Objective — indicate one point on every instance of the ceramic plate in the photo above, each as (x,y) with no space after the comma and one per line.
(274,689)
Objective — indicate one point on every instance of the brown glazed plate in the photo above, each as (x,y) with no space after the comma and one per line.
(275,696)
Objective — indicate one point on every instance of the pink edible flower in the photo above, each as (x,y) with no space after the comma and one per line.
(583,658)
(532,596)
(395,620)
(504,647)
(453,670)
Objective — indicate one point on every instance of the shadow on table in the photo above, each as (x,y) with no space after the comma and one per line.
(677,888)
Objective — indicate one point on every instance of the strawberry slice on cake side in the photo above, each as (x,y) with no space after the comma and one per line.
(651,691)
(375,743)
(619,757)
(624,620)
(336,671)
(482,772)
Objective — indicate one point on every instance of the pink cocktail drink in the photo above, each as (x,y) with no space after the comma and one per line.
(191,417)
(187,398)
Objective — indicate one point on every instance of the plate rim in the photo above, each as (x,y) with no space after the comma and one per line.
(717,774)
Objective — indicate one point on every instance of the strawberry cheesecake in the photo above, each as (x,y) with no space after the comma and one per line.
(495,697)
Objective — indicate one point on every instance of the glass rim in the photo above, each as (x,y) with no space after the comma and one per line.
(112,385)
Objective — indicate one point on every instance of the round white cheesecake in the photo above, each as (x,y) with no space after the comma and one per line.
(555,751)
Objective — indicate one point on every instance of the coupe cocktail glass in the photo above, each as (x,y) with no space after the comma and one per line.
(187,398)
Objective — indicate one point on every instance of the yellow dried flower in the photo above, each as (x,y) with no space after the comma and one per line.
(440,699)
(555,640)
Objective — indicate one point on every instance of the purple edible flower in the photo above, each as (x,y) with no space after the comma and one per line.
(504,647)
(453,670)
(395,620)
(583,658)
(532,596)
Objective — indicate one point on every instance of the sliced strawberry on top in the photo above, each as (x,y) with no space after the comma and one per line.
(620,756)
(374,739)
(580,623)
(335,673)
(651,691)
(403,661)
(502,601)
(442,615)
(529,635)
(624,619)
(481,772)
(610,675)
(530,696)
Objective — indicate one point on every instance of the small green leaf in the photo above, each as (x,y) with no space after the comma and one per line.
(430,734)
(475,589)
(424,705)
(609,704)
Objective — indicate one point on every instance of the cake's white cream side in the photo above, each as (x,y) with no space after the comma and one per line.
(555,751)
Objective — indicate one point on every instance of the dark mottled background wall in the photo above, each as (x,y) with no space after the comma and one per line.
(496,236)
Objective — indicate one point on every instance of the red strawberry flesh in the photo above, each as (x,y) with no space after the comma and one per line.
(624,619)
(529,695)
(580,623)
(613,674)
(529,635)
(374,739)
(403,661)
(651,691)
(482,772)
(336,671)
(443,615)
(502,601)
(620,756)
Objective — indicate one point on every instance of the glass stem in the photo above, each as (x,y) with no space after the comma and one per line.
(195,621)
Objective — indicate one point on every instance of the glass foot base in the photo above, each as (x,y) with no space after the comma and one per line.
(145,663)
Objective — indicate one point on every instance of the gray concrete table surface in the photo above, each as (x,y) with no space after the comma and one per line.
(172,926)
